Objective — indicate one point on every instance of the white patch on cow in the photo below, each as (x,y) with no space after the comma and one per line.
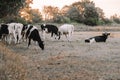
(32,30)
(27,28)
(46,30)
(44,24)
(43,35)
(14,32)
(92,40)
(19,27)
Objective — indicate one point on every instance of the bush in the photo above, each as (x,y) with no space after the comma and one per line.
(100,22)
(9,19)
(107,21)
(91,21)
(117,20)
(61,19)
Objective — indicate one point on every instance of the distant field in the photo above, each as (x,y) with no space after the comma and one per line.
(81,27)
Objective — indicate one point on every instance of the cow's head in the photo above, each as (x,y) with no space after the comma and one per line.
(43,27)
(105,34)
(41,45)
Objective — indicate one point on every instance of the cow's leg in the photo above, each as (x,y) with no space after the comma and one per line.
(69,35)
(65,35)
(15,37)
(29,42)
(19,37)
(52,34)
(59,35)
(9,39)
(43,34)
(56,35)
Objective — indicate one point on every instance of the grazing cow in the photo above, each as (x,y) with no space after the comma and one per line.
(101,38)
(33,33)
(67,30)
(47,28)
(11,31)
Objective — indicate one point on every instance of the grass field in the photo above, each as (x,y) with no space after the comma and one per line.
(63,60)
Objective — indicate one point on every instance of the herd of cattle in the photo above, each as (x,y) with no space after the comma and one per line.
(18,32)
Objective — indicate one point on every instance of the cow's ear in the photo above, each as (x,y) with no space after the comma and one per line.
(109,33)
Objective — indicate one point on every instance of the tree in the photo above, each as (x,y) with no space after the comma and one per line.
(9,7)
(74,14)
(25,12)
(115,18)
(100,13)
(84,11)
(36,15)
(64,10)
(50,12)
(90,13)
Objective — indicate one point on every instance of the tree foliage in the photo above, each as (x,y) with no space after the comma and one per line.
(115,18)
(90,14)
(36,15)
(83,11)
(74,14)
(50,12)
(9,7)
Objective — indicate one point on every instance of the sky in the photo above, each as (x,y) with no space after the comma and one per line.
(110,7)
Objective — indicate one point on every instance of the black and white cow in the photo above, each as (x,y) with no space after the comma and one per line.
(33,33)
(101,38)
(48,28)
(12,31)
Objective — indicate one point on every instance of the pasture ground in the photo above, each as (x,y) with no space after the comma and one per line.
(74,60)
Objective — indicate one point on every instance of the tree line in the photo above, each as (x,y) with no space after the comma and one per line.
(83,11)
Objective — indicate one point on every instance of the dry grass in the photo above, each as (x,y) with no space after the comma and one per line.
(76,61)
(15,67)
(12,67)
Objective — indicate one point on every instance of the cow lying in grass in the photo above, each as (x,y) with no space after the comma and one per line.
(101,38)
